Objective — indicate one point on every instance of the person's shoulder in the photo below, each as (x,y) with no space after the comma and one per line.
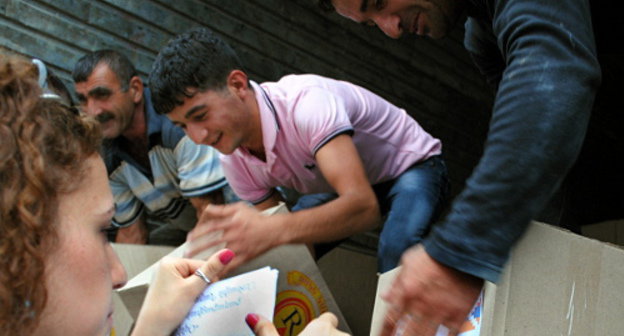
(160,129)
(302,82)
(293,92)
(169,135)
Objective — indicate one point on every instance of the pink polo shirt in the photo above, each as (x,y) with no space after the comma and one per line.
(301,113)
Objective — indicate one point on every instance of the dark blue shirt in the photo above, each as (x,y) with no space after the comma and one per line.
(540,55)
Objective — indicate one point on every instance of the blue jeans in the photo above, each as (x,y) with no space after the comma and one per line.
(410,204)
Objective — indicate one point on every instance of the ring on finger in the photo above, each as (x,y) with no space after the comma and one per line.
(203,276)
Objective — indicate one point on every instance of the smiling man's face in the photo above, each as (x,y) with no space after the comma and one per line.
(215,118)
(433,18)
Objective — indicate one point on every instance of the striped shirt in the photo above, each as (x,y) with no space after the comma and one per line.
(179,169)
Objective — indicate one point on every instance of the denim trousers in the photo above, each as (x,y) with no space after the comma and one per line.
(409,204)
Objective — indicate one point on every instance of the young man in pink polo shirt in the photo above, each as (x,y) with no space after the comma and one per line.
(365,157)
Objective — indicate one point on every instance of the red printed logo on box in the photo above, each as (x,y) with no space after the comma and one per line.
(299,305)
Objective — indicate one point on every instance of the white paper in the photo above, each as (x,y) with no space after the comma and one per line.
(221,309)
(145,277)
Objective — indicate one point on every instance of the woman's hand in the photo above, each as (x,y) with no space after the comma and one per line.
(324,325)
(174,290)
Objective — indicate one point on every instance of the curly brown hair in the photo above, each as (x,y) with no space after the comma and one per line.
(42,154)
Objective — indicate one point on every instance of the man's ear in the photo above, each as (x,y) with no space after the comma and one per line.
(136,89)
(238,83)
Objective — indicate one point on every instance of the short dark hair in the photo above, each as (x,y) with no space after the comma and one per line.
(119,64)
(326,5)
(197,59)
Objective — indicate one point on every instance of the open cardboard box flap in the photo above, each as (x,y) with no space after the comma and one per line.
(302,291)
(555,283)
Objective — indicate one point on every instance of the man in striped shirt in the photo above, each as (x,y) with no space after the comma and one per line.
(160,179)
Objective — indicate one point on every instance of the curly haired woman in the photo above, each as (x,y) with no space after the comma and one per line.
(57,268)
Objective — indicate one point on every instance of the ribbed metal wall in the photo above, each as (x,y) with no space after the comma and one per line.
(434,81)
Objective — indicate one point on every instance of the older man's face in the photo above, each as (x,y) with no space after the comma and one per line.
(102,97)
(433,18)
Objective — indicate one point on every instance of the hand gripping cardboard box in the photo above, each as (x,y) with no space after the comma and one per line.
(302,291)
(555,283)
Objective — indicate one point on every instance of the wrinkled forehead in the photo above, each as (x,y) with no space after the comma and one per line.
(102,75)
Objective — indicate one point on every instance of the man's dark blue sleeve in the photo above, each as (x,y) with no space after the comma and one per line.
(547,77)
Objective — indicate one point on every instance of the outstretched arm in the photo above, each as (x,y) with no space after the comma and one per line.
(538,124)
(248,233)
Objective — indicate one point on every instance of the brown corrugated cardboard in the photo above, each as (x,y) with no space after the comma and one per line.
(558,283)
(352,279)
(302,291)
(379,310)
(555,283)
(122,321)
(136,258)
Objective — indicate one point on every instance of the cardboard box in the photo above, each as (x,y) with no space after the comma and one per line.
(302,291)
(135,259)
(558,283)
(555,283)
(122,320)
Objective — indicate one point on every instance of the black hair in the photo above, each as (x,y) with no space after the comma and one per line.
(119,64)
(195,60)
(326,5)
